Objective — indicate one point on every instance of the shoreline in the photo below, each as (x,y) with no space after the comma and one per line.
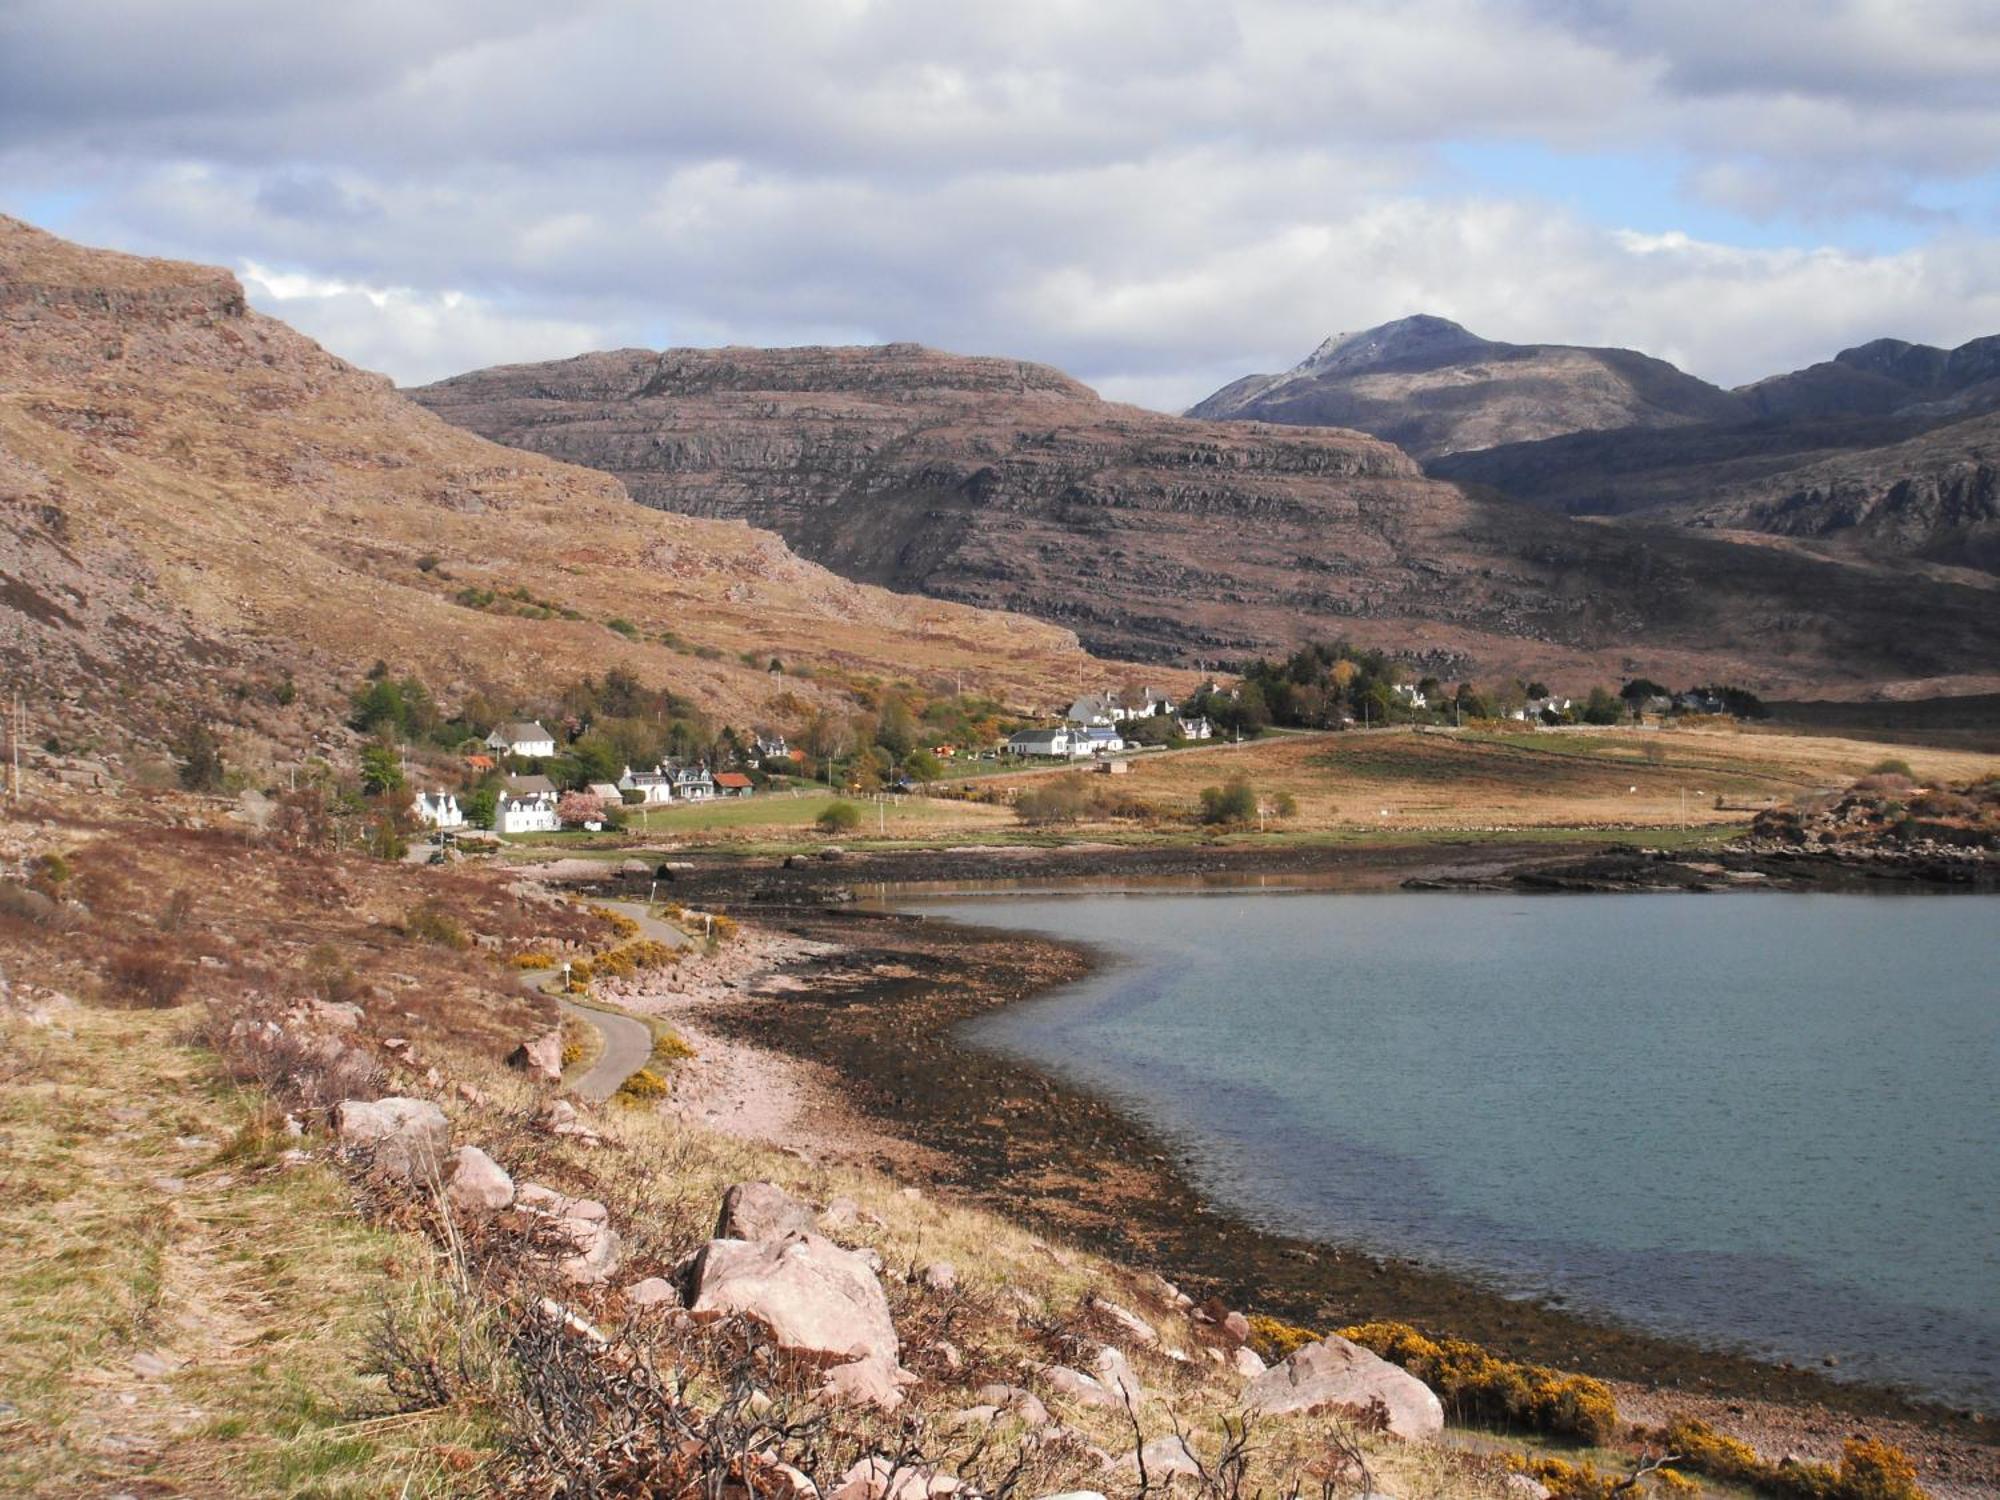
(864,1010)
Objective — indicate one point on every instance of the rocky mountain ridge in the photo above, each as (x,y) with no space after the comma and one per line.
(1174,539)
(196,501)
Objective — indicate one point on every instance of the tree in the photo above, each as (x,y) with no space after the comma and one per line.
(380,774)
(922,766)
(896,730)
(201,768)
(480,806)
(1603,707)
(578,808)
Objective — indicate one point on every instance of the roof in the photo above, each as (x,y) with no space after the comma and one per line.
(529,786)
(605,790)
(517,731)
(1038,734)
(731,779)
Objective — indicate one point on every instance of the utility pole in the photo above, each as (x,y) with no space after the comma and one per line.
(14,744)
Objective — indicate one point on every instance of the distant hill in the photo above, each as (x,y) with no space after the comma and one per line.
(1434,388)
(196,503)
(1172,539)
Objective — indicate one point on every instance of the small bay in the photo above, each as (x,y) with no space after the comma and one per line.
(1762,1122)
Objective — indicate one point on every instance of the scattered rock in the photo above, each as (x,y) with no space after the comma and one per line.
(939,1276)
(1024,1404)
(581,1228)
(879,1478)
(1076,1386)
(1525,1487)
(761,1211)
(540,1058)
(1114,1373)
(815,1297)
(654,1291)
(1248,1363)
(1336,1374)
(408,1137)
(150,1364)
(1236,1326)
(842,1213)
(478,1182)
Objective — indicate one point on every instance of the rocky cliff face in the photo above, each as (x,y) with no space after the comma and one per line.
(1434,388)
(1157,537)
(195,501)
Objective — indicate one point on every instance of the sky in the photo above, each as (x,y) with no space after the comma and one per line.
(1157,196)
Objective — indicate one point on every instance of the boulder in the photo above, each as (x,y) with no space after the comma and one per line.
(1166,1458)
(1127,1321)
(1114,1373)
(880,1478)
(940,1276)
(477,1181)
(580,1228)
(540,1058)
(1076,1386)
(761,1211)
(866,1382)
(1236,1326)
(1248,1362)
(1525,1487)
(1023,1403)
(1334,1374)
(815,1297)
(654,1291)
(408,1137)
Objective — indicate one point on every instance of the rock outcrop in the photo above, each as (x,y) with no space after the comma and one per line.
(408,1138)
(761,1211)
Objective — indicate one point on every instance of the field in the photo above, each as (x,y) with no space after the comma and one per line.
(1408,780)
(787,818)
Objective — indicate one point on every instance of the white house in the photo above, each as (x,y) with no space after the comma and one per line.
(1042,743)
(527,804)
(438,810)
(653,786)
(1099,741)
(771,747)
(692,783)
(1411,696)
(528,740)
(1152,702)
(1196,728)
(1091,709)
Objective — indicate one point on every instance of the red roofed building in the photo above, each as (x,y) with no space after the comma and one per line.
(732,784)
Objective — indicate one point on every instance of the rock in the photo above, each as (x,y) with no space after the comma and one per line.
(815,1297)
(880,1478)
(1114,1373)
(1075,1495)
(761,1211)
(407,1137)
(1248,1363)
(478,1181)
(842,1213)
(1168,1295)
(972,1416)
(334,1015)
(1236,1326)
(1166,1458)
(149,1364)
(540,1058)
(654,1291)
(940,1276)
(571,1323)
(587,1245)
(1024,1404)
(1126,1320)
(1076,1386)
(867,1382)
(1335,1374)
(1525,1487)
(947,1351)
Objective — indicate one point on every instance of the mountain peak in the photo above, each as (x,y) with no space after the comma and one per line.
(1420,336)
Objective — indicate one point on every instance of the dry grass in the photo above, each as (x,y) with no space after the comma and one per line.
(1578,778)
(148,1214)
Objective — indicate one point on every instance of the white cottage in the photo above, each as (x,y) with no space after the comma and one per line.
(438,810)
(527,804)
(1041,743)
(529,740)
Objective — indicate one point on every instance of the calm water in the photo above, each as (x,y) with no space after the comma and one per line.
(1764,1122)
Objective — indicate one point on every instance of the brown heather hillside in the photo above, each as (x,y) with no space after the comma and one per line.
(1162,538)
(194,498)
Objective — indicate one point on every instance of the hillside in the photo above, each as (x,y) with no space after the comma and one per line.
(1434,388)
(1171,539)
(196,500)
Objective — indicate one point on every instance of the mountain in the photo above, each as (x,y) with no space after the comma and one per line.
(1433,388)
(1888,451)
(196,501)
(1166,538)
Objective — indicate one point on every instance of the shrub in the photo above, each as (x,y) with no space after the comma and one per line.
(644,1085)
(1893,765)
(49,873)
(1233,802)
(838,817)
(299,1068)
(149,975)
(1868,1469)
(534,958)
(1060,800)
(624,627)
(1484,1387)
(431,923)
(722,929)
(671,1047)
(1286,805)
(1274,1338)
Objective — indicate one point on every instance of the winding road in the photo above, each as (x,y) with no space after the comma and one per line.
(628,1043)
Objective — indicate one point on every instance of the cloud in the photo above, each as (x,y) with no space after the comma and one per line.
(1155,194)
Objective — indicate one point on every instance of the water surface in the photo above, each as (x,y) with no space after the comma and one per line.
(1763,1122)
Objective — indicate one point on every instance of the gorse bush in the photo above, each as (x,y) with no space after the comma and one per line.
(1483,1387)
(1868,1469)
(1274,1339)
